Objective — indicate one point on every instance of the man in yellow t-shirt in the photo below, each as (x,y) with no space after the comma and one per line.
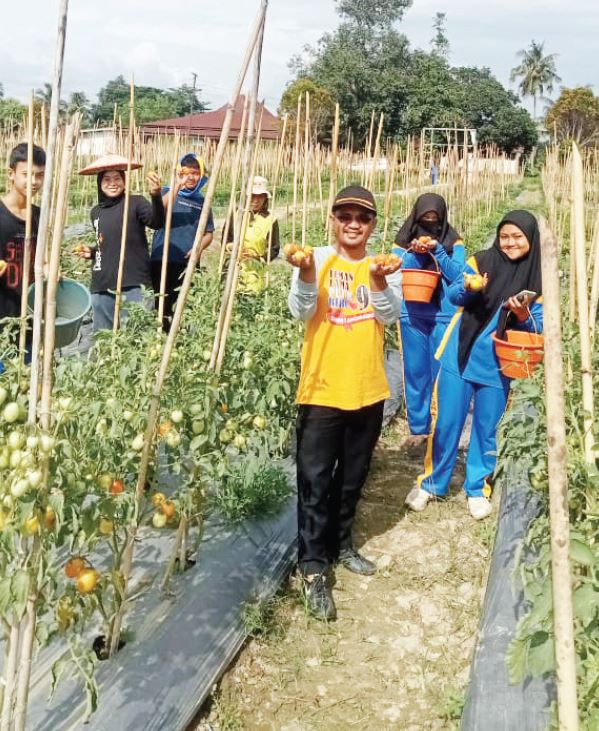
(345,299)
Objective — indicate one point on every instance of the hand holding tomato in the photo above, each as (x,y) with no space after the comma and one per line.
(385,264)
(475,282)
(424,245)
(83,252)
(154,184)
(302,258)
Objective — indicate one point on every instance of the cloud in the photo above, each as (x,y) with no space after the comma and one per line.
(162,43)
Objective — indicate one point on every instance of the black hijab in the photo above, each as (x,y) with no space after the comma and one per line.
(105,201)
(506,278)
(413,228)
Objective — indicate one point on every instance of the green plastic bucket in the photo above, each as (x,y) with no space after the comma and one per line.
(73,302)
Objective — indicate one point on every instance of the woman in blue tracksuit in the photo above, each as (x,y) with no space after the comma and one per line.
(422,325)
(469,367)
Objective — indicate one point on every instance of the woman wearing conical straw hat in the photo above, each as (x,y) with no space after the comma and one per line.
(107,219)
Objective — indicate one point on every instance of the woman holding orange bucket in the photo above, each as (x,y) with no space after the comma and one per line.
(498,290)
(432,255)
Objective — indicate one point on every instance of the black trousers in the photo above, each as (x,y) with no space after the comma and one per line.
(174,277)
(334,450)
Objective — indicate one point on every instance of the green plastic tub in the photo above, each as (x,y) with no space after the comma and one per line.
(73,302)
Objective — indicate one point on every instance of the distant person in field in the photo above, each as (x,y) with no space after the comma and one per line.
(434,169)
(426,241)
(13,214)
(498,289)
(107,221)
(345,299)
(261,241)
(187,209)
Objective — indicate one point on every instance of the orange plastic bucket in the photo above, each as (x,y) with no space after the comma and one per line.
(519,353)
(419,285)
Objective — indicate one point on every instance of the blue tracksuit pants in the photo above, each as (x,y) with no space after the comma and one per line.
(451,399)
(420,339)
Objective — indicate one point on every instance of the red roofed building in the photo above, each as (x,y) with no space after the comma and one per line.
(210,124)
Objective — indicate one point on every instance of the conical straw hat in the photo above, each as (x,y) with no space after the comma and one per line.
(109,162)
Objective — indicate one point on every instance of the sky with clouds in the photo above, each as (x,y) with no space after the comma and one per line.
(162,43)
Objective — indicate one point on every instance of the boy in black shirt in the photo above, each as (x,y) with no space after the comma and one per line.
(13,214)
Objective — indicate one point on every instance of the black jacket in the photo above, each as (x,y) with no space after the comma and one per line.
(108,223)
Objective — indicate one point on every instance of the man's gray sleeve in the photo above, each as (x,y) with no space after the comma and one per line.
(303,297)
(387,304)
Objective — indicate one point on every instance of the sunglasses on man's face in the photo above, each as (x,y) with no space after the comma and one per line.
(362,218)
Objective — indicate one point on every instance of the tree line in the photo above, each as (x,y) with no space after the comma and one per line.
(151,103)
(367,65)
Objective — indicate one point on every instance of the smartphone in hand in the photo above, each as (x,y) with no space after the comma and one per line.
(525,296)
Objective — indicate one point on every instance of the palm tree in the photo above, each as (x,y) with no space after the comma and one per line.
(78,102)
(536,72)
(44,96)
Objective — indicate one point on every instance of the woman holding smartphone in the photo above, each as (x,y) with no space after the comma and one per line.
(499,288)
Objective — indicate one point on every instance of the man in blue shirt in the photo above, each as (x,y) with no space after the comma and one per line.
(187,209)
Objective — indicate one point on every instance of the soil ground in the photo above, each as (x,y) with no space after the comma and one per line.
(399,654)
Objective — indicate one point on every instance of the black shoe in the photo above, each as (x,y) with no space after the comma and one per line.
(356,563)
(319,597)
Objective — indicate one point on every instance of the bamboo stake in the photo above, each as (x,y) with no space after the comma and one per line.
(595,284)
(29,623)
(235,175)
(244,207)
(123,250)
(42,237)
(296,168)
(28,233)
(44,125)
(563,616)
(389,193)
(305,184)
(26,651)
(10,675)
(368,151)
(231,300)
(375,156)
(167,233)
(579,253)
(274,197)
(333,184)
(176,323)
(52,287)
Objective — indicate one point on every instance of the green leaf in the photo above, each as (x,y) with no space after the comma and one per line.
(5,595)
(516,660)
(586,601)
(581,553)
(198,442)
(541,654)
(19,587)
(42,633)
(58,670)
(56,502)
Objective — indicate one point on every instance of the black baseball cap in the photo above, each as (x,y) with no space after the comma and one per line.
(355,195)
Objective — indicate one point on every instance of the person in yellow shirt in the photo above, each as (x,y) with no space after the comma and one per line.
(261,240)
(345,299)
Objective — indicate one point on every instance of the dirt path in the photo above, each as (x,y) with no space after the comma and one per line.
(398,656)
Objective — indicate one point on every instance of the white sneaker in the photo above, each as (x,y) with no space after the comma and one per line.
(417,499)
(479,507)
